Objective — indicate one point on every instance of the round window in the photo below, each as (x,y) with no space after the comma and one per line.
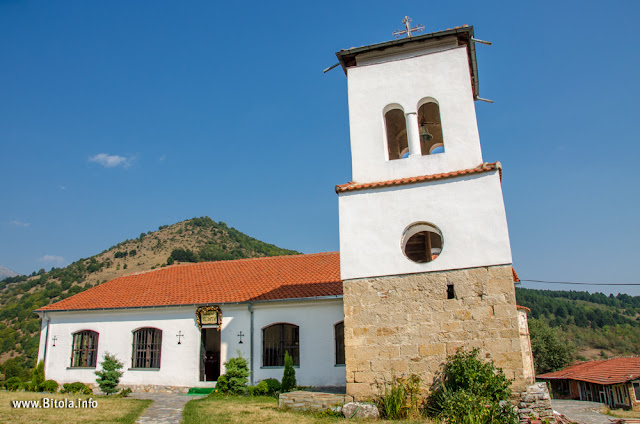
(422,242)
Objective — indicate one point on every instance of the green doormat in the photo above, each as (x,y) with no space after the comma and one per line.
(200,390)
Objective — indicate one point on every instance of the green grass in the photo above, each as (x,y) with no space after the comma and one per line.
(256,409)
(109,410)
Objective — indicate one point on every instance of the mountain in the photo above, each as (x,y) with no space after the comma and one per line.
(193,240)
(6,272)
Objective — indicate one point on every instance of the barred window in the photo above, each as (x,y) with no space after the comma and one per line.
(278,339)
(339,335)
(84,350)
(147,343)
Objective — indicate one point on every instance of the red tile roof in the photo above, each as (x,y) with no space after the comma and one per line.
(412,180)
(279,277)
(608,371)
(516,279)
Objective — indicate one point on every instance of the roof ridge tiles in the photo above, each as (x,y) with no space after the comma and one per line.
(483,167)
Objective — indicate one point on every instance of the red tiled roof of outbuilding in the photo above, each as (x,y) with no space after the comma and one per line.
(608,371)
(243,280)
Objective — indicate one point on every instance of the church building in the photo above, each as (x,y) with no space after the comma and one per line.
(424,266)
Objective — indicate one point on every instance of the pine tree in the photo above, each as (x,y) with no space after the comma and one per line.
(37,378)
(289,377)
(109,377)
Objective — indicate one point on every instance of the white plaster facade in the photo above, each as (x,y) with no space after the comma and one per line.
(468,210)
(180,363)
(407,78)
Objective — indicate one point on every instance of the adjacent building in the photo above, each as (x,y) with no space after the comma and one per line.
(614,382)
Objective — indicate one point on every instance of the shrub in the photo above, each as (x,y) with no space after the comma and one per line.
(260,389)
(222,385)
(124,392)
(109,376)
(273,384)
(13,384)
(471,391)
(170,260)
(37,378)
(289,376)
(76,388)
(50,386)
(237,371)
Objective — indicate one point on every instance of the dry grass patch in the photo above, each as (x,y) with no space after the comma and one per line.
(620,413)
(109,409)
(258,409)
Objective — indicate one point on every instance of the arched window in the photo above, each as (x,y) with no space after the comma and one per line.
(339,336)
(396,125)
(278,339)
(84,350)
(430,129)
(422,242)
(147,345)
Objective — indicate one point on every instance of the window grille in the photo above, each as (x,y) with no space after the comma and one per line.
(278,339)
(147,343)
(339,334)
(84,350)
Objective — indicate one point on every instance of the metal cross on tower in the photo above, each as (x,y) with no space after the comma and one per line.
(408,30)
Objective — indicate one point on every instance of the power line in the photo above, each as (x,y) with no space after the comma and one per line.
(583,284)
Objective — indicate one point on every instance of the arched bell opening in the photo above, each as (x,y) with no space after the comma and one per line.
(430,129)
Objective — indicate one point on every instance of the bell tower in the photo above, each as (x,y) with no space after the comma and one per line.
(424,244)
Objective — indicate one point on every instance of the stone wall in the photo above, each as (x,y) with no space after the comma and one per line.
(310,400)
(400,325)
(535,403)
(151,388)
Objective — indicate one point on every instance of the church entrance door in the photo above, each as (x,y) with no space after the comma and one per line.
(209,354)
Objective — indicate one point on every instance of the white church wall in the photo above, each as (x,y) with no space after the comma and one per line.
(180,363)
(443,76)
(317,345)
(468,210)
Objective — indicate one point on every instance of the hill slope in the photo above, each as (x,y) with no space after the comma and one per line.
(197,239)
(598,326)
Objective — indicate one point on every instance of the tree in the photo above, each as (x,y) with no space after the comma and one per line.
(289,377)
(550,353)
(109,376)
(37,378)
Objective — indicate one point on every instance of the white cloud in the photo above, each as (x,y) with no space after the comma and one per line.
(52,259)
(62,187)
(110,161)
(162,158)
(19,223)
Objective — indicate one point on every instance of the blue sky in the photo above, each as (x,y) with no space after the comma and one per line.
(118,117)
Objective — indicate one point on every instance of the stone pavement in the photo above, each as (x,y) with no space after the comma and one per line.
(165,409)
(581,411)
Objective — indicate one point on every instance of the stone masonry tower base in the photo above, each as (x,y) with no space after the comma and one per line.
(403,325)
